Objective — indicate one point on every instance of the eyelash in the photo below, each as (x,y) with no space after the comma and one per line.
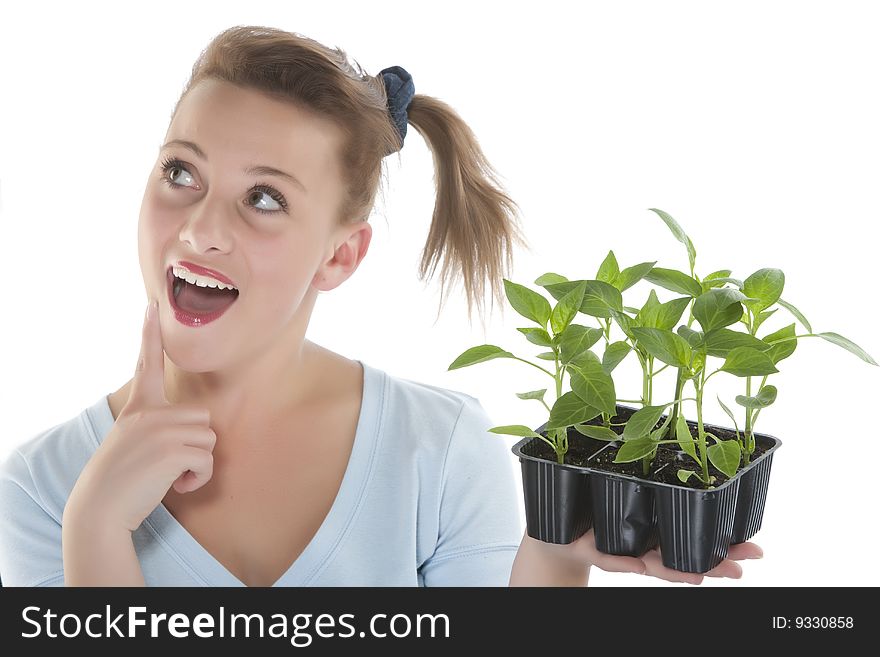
(173,162)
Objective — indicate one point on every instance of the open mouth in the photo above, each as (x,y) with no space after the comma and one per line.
(197,302)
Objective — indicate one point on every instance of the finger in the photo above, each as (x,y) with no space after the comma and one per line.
(148,384)
(199,466)
(726,568)
(183,414)
(655,568)
(186,483)
(618,564)
(586,547)
(189,481)
(188,434)
(745,550)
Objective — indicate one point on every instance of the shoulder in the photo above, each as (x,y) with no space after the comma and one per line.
(434,410)
(425,398)
(436,420)
(47,465)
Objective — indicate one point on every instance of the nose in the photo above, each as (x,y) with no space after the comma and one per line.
(207,227)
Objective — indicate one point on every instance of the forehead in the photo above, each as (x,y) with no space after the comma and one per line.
(244,127)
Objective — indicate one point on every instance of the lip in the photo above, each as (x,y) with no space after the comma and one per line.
(186,317)
(204,271)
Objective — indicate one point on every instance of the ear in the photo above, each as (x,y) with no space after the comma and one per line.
(350,244)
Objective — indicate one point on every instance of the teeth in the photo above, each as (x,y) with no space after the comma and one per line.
(201,281)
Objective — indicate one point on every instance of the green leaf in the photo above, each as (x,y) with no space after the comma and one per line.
(675,281)
(614,354)
(632,275)
(684,475)
(609,269)
(527,303)
(679,235)
(685,439)
(797,313)
(719,282)
(642,422)
(716,279)
(664,345)
(648,313)
(537,336)
(547,355)
(633,450)
(760,317)
(670,312)
(694,338)
(725,456)
(597,432)
(599,298)
(765,286)
(730,415)
(784,349)
(720,341)
(590,382)
(516,430)
(849,345)
(570,409)
(717,308)
(577,339)
(534,394)
(765,397)
(479,354)
(568,306)
(746,361)
(624,321)
(661,315)
(549,278)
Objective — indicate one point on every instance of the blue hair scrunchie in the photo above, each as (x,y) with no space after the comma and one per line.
(399,89)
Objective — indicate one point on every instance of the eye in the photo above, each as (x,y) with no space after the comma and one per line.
(171,165)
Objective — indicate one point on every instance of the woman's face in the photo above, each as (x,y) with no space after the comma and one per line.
(264,232)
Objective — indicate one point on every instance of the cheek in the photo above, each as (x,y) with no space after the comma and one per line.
(159,219)
(283,271)
(157,229)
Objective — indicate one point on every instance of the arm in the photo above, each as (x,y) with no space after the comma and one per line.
(539,564)
(477,525)
(95,554)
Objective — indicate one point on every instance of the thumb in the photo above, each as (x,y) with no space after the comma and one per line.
(620,564)
(148,384)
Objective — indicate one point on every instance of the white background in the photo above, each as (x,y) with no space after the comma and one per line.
(754,124)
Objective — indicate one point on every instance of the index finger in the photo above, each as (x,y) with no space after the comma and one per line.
(148,384)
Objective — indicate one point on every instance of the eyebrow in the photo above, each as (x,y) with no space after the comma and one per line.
(257,170)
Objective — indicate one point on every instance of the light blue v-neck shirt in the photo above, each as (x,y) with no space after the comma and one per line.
(428,499)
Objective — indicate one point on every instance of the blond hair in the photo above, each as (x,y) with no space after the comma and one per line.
(474,223)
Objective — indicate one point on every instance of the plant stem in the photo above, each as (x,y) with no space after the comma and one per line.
(560,435)
(656,372)
(701,434)
(561,439)
(745,444)
(646,401)
(679,386)
(679,381)
(547,372)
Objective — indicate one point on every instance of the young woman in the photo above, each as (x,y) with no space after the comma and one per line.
(241,453)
